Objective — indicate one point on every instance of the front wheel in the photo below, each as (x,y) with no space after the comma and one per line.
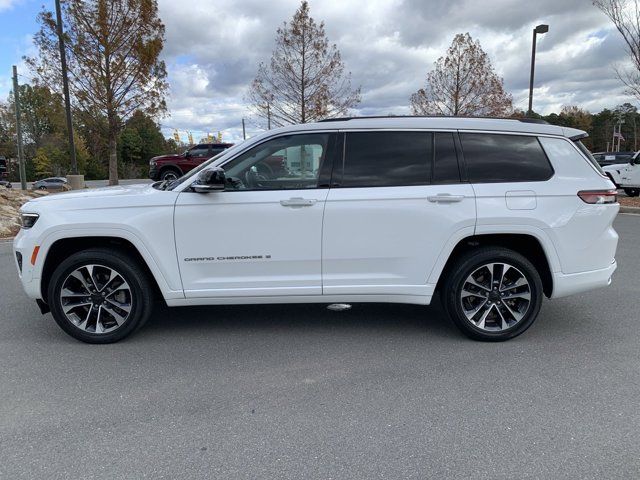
(169,175)
(632,192)
(100,295)
(492,294)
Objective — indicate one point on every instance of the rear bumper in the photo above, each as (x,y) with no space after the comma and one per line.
(568,284)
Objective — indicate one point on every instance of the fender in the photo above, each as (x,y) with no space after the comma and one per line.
(468,232)
(169,282)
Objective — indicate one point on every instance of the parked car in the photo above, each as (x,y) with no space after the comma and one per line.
(626,175)
(612,158)
(171,167)
(6,184)
(52,184)
(491,215)
(4,169)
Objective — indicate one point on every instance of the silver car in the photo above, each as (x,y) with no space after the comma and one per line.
(52,184)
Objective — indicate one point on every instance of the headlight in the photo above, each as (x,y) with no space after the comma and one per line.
(152,162)
(28,220)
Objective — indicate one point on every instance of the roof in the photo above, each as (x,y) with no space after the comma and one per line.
(445,123)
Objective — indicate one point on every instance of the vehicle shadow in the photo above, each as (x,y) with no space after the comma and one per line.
(369,317)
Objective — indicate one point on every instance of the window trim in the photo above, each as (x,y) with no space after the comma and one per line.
(428,158)
(327,162)
(517,134)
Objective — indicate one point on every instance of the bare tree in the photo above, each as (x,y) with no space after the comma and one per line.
(305,80)
(625,15)
(463,83)
(113,49)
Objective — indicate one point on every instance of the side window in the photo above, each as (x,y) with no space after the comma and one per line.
(387,159)
(492,158)
(445,160)
(284,163)
(199,151)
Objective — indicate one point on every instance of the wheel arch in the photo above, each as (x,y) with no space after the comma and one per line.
(170,166)
(64,247)
(526,244)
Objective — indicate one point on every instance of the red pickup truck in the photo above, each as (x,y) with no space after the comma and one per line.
(170,167)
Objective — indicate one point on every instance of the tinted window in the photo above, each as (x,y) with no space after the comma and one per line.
(504,158)
(386,159)
(199,151)
(445,163)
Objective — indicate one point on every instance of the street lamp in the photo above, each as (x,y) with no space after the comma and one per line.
(539,29)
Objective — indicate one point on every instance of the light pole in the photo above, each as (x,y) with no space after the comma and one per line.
(539,29)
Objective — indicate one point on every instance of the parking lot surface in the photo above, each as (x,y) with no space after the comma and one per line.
(381,391)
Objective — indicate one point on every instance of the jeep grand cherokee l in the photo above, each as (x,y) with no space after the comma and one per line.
(491,214)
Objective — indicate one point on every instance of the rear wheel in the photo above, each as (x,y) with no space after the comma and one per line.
(632,192)
(99,296)
(492,294)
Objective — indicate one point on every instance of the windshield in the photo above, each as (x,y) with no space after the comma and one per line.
(587,154)
(201,167)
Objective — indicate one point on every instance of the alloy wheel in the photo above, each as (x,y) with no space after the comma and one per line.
(495,297)
(96,299)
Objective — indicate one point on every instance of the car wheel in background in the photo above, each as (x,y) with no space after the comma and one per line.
(632,192)
(169,175)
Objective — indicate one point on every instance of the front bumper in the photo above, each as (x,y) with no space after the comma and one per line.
(28,273)
(154,173)
(568,284)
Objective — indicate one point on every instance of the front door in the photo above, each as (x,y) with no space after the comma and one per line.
(262,235)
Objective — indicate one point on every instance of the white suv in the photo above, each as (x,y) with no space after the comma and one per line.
(491,214)
(626,175)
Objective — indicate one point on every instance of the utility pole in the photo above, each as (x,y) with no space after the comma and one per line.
(16,98)
(75,181)
(244,132)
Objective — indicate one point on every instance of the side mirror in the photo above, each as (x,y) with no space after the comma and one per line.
(209,180)
(186,154)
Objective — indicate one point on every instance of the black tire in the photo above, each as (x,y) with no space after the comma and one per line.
(632,192)
(42,188)
(469,263)
(170,174)
(141,292)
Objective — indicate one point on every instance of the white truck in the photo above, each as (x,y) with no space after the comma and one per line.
(626,175)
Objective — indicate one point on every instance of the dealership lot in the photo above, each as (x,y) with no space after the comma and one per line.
(380,391)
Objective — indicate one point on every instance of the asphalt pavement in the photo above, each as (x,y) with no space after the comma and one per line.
(292,392)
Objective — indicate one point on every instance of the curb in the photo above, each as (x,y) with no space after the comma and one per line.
(635,210)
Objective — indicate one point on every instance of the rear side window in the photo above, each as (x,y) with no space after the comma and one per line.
(493,158)
(445,160)
(585,151)
(387,159)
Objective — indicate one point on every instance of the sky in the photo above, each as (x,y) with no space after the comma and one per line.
(213,49)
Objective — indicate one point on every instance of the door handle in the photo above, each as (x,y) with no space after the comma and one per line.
(445,198)
(297,202)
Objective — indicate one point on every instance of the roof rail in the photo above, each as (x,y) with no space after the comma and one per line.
(371,117)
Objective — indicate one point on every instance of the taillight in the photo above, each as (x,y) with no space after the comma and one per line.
(598,197)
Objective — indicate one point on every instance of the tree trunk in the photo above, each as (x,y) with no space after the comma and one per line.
(113,153)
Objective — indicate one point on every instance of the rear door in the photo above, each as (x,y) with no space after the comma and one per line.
(395,205)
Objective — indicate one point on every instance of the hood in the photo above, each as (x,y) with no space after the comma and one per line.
(614,167)
(122,196)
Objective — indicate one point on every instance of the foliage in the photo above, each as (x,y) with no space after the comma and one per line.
(113,54)
(306,79)
(625,15)
(463,83)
